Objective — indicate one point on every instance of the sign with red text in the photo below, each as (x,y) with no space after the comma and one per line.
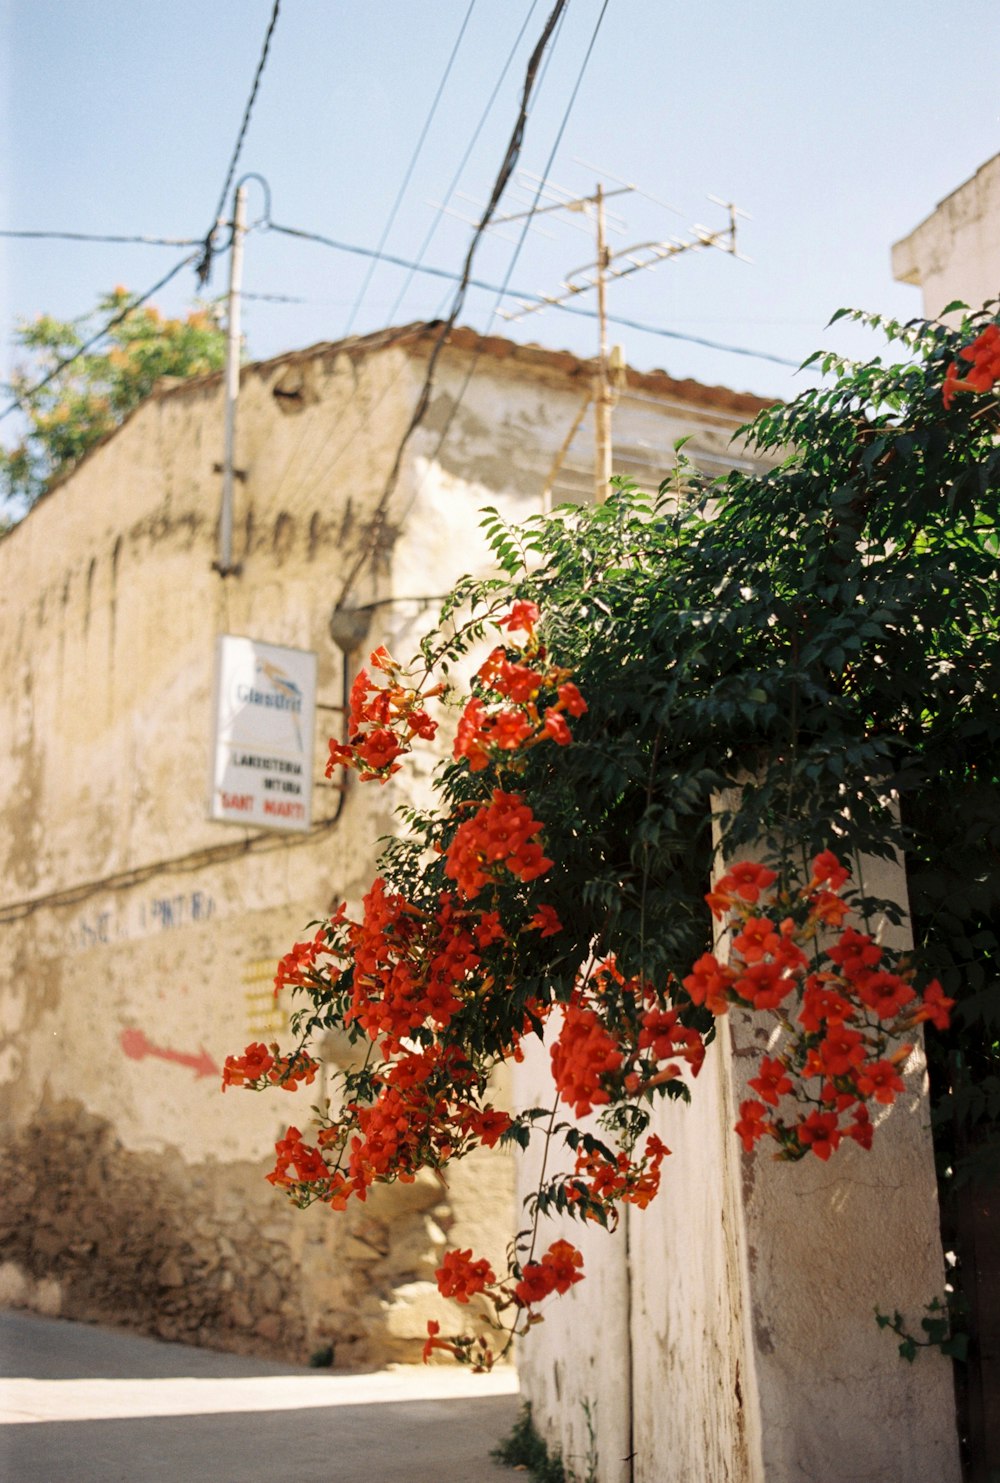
(262,747)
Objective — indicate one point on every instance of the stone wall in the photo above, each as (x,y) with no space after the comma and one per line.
(206,1253)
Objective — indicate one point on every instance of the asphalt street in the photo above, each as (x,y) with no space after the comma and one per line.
(83,1404)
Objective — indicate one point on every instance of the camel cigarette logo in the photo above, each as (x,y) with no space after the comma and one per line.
(283,695)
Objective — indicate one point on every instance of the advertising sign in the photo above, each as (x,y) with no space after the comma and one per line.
(262,738)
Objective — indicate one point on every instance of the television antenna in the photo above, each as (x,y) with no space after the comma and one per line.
(608,266)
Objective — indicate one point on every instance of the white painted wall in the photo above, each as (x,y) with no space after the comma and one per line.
(955,252)
(750,1288)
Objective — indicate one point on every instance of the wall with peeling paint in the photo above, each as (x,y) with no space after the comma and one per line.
(135,950)
(954,254)
(726,1333)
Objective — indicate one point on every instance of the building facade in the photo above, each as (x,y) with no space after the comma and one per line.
(954,254)
(138,937)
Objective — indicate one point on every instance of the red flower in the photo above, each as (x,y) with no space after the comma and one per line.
(556,1272)
(886,993)
(861,1128)
(841,1050)
(820,1133)
(826,868)
(555,726)
(459,1277)
(746,879)
(984,353)
(509,730)
(855,953)
(773,1081)
(757,938)
(881,1080)
(488,1126)
(523,616)
(708,983)
(255,1062)
(563,1262)
(822,1005)
(935,1006)
(571,699)
(753,1124)
(582,1056)
(546,920)
(763,985)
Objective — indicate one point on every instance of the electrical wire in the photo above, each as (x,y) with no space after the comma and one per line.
(408,175)
(508,292)
(416,265)
(105,237)
(477,353)
(412,267)
(134,303)
(456,177)
(386,257)
(205,261)
(194,860)
(423,400)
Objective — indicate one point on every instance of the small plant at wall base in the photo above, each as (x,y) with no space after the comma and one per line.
(821,638)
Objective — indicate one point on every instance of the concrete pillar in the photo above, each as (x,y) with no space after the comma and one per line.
(729,1329)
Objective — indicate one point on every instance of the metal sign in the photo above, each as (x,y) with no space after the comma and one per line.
(262,737)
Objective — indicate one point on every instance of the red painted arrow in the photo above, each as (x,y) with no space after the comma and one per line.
(136,1046)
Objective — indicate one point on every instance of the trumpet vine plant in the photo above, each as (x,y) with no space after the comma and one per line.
(817,639)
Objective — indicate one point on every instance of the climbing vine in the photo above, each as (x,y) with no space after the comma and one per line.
(798,658)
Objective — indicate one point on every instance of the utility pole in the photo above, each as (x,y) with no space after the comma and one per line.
(224,565)
(602,392)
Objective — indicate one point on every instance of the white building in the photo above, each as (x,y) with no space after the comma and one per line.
(955,252)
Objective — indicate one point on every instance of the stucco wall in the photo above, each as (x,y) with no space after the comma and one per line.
(955,252)
(726,1333)
(135,1189)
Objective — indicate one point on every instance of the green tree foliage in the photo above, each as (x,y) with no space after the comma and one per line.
(93,395)
(823,637)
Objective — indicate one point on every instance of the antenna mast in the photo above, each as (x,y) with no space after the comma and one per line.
(607,267)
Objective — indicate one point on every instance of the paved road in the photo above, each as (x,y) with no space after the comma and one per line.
(81,1404)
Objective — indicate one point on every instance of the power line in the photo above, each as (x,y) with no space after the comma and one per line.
(423,400)
(653,329)
(477,353)
(193,861)
(414,267)
(456,177)
(106,237)
(507,291)
(408,175)
(205,261)
(25,396)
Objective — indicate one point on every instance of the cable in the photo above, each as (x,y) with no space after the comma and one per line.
(423,400)
(205,261)
(417,267)
(456,177)
(195,860)
(100,237)
(409,172)
(25,396)
(414,266)
(652,329)
(477,353)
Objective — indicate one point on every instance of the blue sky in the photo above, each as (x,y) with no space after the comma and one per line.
(837,127)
